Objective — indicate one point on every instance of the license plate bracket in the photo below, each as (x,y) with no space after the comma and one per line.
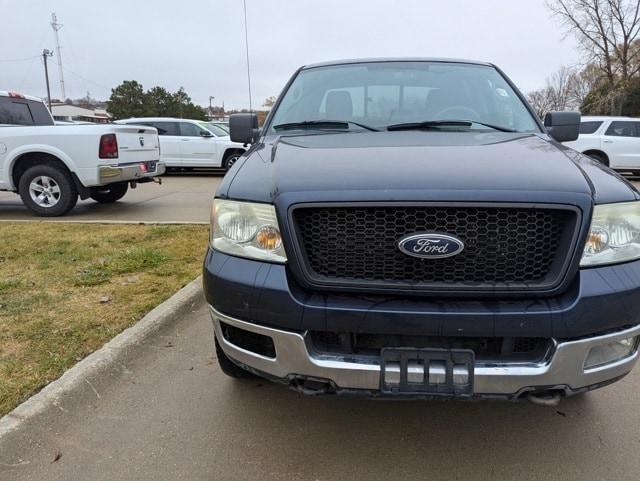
(437,372)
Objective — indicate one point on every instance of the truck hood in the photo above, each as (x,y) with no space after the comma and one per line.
(420,166)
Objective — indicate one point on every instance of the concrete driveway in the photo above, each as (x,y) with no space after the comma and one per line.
(180,198)
(168,413)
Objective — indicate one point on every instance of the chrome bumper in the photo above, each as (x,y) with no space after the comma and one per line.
(563,369)
(123,173)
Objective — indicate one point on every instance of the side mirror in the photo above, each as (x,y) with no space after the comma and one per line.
(243,128)
(205,133)
(563,126)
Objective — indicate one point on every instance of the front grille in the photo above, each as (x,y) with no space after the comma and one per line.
(505,247)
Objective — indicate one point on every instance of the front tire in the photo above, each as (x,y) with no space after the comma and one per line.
(48,190)
(229,367)
(231,159)
(110,193)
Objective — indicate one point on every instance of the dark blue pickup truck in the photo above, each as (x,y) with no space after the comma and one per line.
(408,227)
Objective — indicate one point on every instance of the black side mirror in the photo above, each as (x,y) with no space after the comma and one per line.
(205,133)
(563,126)
(243,128)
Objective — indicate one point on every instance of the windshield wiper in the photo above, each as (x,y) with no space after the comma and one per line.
(434,124)
(323,124)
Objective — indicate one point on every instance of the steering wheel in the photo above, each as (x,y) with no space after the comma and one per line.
(466,113)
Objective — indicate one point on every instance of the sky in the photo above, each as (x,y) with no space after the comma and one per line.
(200,44)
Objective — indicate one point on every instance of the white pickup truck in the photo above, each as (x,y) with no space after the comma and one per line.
(51,166)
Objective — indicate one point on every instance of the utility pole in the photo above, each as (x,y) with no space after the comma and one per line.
(211,97)
(47,53)
(57,26)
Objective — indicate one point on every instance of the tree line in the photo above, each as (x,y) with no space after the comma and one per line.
(608,80)
(129,99)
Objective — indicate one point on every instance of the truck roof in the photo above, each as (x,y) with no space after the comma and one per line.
(396,59)
(4,93)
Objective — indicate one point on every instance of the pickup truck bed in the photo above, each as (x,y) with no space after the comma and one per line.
(50,166)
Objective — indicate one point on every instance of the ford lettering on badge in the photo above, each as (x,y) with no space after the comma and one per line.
(430,245)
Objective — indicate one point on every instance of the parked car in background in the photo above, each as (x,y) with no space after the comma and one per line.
(50,166)
(613,141)
(188,143)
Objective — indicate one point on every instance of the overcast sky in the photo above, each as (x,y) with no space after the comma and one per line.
(199,44)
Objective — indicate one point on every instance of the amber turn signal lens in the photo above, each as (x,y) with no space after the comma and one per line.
(268,238)
(596,241)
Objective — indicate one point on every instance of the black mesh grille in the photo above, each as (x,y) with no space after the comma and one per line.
(504,246)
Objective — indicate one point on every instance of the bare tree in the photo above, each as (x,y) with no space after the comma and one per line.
(541,100)
(584,82)
(561,85)
(607,31)
(557,94)
(269,101)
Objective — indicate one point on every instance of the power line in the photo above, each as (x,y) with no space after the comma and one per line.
(19,59)
(66,69)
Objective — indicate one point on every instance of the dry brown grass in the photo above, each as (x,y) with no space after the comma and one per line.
(67,289)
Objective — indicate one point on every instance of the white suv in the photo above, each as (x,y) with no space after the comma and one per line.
(191,143)
(614,141)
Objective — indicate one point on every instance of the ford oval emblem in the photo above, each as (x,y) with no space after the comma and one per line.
(430,245)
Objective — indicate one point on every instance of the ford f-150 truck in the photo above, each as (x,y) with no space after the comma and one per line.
(51,166)
(408,227)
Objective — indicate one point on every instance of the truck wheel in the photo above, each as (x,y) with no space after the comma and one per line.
(229,367)
(110,193)
(48,190)
(230,159)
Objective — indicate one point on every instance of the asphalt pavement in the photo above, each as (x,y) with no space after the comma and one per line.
(180,198)
(168,413)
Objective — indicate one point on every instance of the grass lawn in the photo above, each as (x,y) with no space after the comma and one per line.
(66,289)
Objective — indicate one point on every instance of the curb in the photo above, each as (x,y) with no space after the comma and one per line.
(103,358)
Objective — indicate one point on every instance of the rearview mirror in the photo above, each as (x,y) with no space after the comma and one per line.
(563,126)
(205,133)
(243,128)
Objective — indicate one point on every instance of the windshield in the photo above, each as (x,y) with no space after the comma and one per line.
(221,126)
(383,94)
(215,129)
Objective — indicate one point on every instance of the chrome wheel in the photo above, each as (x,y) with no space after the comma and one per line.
(232,160)
(44,191)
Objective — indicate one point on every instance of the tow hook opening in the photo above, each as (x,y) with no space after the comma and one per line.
(312,386)
(549,397)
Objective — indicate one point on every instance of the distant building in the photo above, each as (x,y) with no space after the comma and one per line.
(68,112)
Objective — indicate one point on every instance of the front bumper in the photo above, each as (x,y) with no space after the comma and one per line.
(295,359)
(124,173)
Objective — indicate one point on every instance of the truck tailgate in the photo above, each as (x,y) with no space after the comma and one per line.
(137,144)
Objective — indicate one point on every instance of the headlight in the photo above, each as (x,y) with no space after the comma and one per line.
(614,235)
(246,229)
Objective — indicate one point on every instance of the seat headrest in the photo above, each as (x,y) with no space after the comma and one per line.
(339,105)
